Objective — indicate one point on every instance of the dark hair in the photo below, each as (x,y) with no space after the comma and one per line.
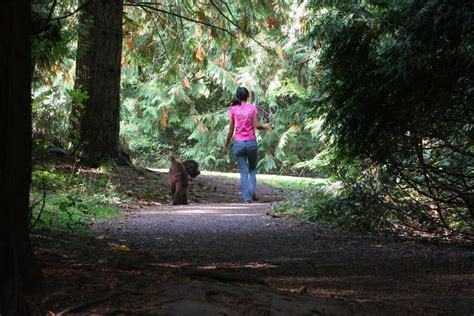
(242,94)
(235,102)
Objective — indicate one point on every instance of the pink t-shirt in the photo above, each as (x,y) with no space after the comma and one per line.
(243,115)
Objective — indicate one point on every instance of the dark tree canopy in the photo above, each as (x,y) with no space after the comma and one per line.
(397,94)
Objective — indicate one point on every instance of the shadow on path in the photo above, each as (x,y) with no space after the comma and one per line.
(306,259)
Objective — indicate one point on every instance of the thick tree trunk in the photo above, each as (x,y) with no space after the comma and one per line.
(18,270)
(98,66)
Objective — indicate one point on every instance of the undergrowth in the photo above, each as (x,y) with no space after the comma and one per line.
(355,208)
(329,204)
(72,200)
(277,181)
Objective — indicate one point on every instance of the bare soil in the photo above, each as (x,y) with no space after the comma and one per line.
(218,256)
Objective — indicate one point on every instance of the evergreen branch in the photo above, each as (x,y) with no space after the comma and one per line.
(73,12)
(159,34)
(143,6)
(238,26)
(189,8)
(228,9)
(182,24)
(53,6)
(46,23)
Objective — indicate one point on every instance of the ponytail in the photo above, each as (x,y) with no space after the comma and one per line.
(235,102)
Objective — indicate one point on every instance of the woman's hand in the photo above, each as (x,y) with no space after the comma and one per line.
(230,133)
(266,126)
(259,126)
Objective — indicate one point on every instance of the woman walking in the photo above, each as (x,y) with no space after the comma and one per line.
(244,121)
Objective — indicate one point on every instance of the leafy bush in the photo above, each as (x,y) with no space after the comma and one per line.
(71,202)
(352,208)
(395,92)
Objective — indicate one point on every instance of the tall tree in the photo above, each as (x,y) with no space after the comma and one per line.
(18,271)
(98,76)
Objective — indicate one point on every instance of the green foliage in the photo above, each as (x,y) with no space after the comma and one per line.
(395,92)
(351,209)
(178,103)
(71,202)
(179,76)
(53,50)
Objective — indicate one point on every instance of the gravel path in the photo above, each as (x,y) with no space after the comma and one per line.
(218,256)
(359,273)
(353,273)
(208,233)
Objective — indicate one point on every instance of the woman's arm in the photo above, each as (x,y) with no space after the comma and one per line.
(230,133)
(257,124)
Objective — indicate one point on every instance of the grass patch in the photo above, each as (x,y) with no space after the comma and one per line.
(72,199)
(277,181)
(347,208)
(288,183)
(292,183)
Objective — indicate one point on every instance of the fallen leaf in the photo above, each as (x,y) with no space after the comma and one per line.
(361,300)
(376,245)
(120,247)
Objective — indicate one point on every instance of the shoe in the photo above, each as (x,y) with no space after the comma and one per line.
(247,202)
(254,198)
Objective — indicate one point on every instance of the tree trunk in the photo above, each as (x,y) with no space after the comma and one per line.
(98,75)
(18,270)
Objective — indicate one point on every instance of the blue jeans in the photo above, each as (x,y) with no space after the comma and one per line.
(245,152)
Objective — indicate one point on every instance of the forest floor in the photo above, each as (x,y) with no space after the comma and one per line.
(218,256)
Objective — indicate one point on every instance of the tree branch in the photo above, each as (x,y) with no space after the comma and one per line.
(143,6)
(42,207)
(55,2)
(73,12)
(159,34)
(238,26)
(228,9)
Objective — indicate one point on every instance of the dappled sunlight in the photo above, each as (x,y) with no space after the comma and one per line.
(196,212)
(218,210)
(215,266)
(230,206)
(174,265)
(324,279)
(237,265)
(239,215)
(236,176)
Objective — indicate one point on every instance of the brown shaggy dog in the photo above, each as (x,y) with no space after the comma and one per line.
(193,171)
(192,167)
(178,176)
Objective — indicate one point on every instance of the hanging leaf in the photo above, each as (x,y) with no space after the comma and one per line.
(199,54)
(186,83)
(164,118)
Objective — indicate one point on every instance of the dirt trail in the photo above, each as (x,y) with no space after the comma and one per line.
(231,258)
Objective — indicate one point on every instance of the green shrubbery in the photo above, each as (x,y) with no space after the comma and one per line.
(71,201)
(351,208)
(395,91)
